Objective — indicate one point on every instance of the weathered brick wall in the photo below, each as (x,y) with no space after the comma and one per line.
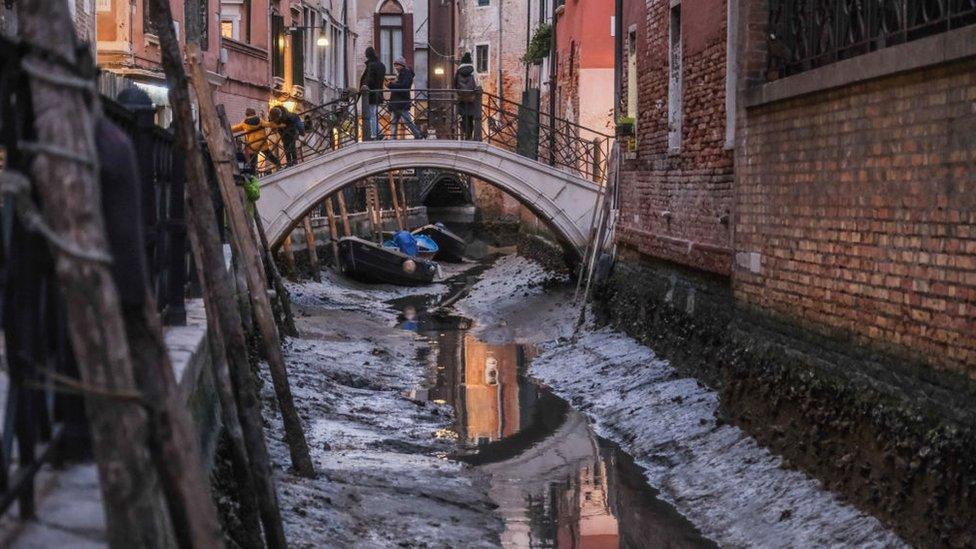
(676,205)
(856,212)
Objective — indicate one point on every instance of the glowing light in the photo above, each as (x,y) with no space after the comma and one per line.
(322,41)
(439,71)
(281,42)
(290,105)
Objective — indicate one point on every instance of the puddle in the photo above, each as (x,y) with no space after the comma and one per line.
(556,483)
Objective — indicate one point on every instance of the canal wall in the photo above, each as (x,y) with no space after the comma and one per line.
(894,437)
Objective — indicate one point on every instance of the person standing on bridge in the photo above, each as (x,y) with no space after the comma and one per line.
(400,99)
(371,83)
(254,131)
(469,106)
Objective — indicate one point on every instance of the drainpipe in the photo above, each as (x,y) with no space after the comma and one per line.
(552,88)
(528,38)
(501,45)
(345,46)
(618,57)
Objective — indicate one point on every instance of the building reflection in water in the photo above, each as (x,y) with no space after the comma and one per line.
(555,482)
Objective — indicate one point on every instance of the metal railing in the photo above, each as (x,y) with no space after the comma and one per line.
(438,115)
(806,34)
(162,190)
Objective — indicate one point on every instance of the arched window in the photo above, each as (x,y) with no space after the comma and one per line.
(393,33)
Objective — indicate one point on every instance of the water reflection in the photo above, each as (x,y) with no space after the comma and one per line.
(556,483)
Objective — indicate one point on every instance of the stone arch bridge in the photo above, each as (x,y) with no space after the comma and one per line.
(563,193)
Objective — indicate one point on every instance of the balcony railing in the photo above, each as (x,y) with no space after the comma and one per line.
(806,34)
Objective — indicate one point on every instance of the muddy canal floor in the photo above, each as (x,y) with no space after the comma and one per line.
(469,414)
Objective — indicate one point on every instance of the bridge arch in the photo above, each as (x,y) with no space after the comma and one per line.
(564,201)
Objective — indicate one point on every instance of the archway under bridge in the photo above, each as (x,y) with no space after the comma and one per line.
(563,200)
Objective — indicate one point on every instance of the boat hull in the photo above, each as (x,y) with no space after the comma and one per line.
(450,247)
(368,262)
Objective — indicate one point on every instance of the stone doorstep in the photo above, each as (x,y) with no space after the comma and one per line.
(69,501)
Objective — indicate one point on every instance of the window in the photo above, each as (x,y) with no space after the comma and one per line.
(481,57)
(389,27)
(484,2)
(632,73)
(197,19)
(229,29)
(234,17)
(674,80)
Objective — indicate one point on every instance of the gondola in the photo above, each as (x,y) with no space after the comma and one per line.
(450,246)
(371,262)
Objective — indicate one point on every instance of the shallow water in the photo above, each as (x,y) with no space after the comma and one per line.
(556,483)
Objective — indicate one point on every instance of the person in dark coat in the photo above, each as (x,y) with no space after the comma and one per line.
(400,99)
(288,125)
(371,83)
(469,105)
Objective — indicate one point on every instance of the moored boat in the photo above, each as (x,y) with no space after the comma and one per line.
(426,247)
(450,246)
(371,262)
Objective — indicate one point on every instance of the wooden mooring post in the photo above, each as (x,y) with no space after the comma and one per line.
(333,231)
(313,253)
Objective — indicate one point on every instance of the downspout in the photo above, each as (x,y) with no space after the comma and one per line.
(552,88)
(501,45)
(528,38)
(618,58)
(345,46)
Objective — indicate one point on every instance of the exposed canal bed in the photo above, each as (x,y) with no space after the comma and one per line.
(470,414)
(556,483)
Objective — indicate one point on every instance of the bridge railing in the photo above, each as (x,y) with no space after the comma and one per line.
(437,114)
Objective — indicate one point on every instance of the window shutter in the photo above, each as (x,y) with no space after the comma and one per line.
(277,55)
(376,33)
(298,57)
(408,38)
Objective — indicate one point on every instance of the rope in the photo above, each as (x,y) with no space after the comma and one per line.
(52,150)
(18,186)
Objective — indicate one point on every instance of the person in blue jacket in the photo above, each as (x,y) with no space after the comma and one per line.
(400,99)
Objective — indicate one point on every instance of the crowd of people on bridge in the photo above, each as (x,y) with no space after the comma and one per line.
(269,138)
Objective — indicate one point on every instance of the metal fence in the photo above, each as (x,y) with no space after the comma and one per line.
(437,115)
(806,34)
(162,187)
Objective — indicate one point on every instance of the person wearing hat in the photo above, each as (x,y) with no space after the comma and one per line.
(469,106)
(400,99)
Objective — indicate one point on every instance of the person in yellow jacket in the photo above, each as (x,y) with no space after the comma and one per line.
(255,133)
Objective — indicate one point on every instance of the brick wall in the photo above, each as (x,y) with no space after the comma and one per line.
(676,205)
(858,207)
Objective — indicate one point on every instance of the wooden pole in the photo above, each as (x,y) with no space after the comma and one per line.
(403,201)
(289,256)
(65,176)
(217,283)
(333,231)
(396,201)
(344,213)
(270,267)
(223,152)
(313,253)
(279,286)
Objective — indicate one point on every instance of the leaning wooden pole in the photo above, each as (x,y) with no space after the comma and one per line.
(343,213)
(313,253)
(65,171)
(333,231)
(395,200)
(279,285)
(217,283)
(223,152)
